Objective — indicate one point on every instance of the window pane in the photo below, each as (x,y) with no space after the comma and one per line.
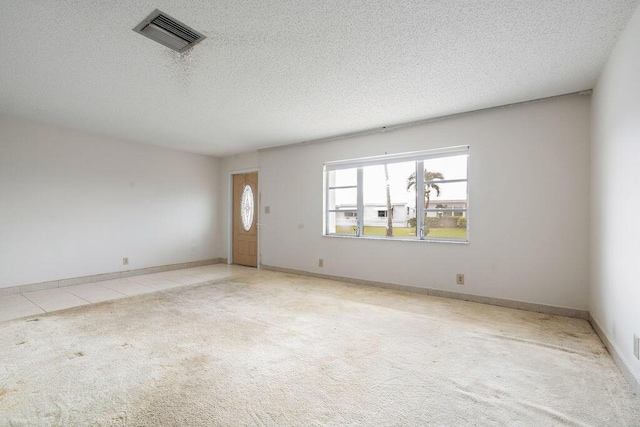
(446,168)
(343,199)
(246,208)
(445,196)
(396,216)
(339,223)
(343,177)
(445,213)
(437,225)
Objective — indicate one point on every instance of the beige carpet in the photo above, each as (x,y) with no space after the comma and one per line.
(270,349)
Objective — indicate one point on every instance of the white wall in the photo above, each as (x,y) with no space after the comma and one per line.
(73,204)
(529,167)
(615,283)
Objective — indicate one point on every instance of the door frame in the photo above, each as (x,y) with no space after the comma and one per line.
(230,212)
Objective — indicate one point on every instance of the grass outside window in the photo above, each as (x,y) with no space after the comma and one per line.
(444,232)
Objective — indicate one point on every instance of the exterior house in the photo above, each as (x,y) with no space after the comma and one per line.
(375,214)
(459,208)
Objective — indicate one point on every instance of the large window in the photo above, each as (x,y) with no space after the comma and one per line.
(421,196)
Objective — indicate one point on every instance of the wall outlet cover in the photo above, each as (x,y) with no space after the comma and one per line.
(460,279)
(636,346)
(320,262)
(125,261)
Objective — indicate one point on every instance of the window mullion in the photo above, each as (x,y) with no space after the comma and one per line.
(326,195)
(342,187)
(420,199)
(360,214)
(445,181)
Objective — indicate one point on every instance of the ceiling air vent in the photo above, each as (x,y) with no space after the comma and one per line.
(168,31)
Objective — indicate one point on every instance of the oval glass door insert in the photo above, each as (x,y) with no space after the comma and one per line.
(246,207)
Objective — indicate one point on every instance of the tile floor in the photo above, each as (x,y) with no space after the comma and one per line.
(30,303)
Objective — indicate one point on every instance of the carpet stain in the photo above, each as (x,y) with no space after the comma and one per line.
(4,392)
(119,419)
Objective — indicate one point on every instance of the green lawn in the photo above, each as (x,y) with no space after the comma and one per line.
(451,233)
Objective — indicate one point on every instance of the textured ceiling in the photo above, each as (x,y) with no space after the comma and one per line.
(281,72)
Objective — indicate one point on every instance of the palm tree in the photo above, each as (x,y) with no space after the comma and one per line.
(429,185)
(389,207)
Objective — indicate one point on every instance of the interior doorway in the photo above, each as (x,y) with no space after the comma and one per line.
(245,219)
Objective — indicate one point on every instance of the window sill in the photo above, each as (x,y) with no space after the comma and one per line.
(397,239)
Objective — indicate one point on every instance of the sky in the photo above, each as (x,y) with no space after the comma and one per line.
(375,188)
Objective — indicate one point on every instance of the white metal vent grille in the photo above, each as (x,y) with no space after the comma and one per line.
(168,31)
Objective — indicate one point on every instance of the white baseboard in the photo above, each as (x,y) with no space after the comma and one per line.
(615,354)
(106,276)
(538,308)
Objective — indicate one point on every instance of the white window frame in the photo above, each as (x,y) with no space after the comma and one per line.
(419,157)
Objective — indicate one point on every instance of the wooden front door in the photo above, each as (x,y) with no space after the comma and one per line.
(245,219)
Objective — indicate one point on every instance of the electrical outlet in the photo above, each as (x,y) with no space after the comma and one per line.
(320,262)
(636,346)
(125,261)
(267,209)
(460,279)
